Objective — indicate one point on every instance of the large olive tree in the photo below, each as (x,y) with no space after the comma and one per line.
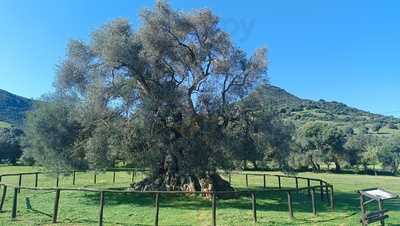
(162,96)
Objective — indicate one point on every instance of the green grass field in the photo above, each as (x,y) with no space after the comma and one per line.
(78,208)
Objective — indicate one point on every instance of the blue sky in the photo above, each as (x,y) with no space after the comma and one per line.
(341,50)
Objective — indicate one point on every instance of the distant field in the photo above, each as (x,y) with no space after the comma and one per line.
(122,209)
(4,124)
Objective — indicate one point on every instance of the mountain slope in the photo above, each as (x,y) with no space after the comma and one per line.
(292,108)
(13,108)
(300,111)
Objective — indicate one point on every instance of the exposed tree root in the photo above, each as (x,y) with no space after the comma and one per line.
(191,183)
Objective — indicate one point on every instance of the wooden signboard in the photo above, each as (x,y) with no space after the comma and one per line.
(371,195)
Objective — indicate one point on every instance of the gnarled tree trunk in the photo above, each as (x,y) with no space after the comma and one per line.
(170,178)
(182,182)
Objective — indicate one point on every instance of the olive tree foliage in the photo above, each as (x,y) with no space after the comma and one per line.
(389,155)
(10,144)
(363,149)
(260,136)
(321,143)
(168,91)
(50,135)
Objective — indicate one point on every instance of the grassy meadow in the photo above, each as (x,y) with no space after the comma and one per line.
(81,208)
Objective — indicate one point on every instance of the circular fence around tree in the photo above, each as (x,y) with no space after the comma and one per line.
(259,182)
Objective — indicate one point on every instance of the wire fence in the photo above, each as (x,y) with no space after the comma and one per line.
(300,190)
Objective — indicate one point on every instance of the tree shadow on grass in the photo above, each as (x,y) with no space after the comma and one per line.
(41,212)
(78,220)
(347,204)
(266,201)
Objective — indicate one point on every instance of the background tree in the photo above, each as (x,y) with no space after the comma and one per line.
(260,135)
(51,134)
(321,143)
(10,144)
(392,125)
(375,127)
(311,141)
(335,140)
(389,155)
(370,157)
(362,149)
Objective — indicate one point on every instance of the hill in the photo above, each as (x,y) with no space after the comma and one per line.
(300,111)
(13,108)
(297,110)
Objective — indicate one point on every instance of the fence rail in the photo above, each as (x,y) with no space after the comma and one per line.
(324,188)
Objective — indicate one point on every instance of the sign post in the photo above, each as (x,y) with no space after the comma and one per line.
(371,195)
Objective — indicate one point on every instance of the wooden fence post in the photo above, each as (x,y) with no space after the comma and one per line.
(3,197)
(14,206)
(101,211)
(254,206)
(56,204)
(327,192)
(36,179)
(214,210)
(297,184)
(308,185)
(19,182)
(157,200)
(265,180)
(73,177)
(57,180)
(332,199)
(290,205)
(279,182)
(380,206)
(247,180)
(229,178)
(313,203)
(321,188)
(114,177)
(363,210)
(95,177)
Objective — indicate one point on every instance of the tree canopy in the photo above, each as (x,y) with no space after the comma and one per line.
(164,96)
(321,143)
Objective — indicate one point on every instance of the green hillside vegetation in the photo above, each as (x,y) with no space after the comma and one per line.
(292,108)
(301,111)
(325,134)
(13,108)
